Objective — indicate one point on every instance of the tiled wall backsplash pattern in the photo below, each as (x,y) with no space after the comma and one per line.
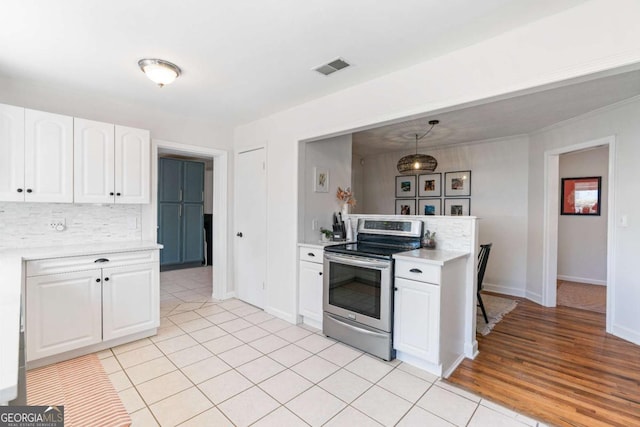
(27,224)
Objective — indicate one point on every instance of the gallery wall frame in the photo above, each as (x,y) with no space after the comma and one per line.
(406,186)
(405,207)
(430,185)
(457,184)
(320,180)
(457,207)
(429,207)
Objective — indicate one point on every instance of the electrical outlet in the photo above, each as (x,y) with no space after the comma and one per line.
(57,224)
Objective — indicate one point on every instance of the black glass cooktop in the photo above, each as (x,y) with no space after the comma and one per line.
(367,249)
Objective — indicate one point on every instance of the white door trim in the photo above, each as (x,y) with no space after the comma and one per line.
(220,217)
(550,226)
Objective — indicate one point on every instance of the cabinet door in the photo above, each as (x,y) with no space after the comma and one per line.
(417,319)
(93,162)
(132,165)
(11,153)
(64,312)
(170,232)
(130,300)
(48,174)
(310,286)
(193,188)
(192,232)
(170,179)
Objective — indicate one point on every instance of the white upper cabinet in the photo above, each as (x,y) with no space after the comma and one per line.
(48,155)
(112,163)
(11,153)
(132,165)
(36,156)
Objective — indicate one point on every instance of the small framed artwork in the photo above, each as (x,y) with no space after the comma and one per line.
(581,196)
(405,186)
(405,207)
(429,207)
(457,184)
(320,180)
(457,207)
(430,185)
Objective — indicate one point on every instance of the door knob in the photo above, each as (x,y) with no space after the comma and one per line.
(239,234)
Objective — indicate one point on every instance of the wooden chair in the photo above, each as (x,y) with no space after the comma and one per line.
(483,257)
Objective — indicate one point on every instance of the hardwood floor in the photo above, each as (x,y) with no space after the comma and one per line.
(557,365)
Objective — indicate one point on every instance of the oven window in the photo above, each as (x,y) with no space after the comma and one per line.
(356,289)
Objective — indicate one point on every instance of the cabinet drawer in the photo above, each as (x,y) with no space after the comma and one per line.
(418,271)
(88,262)
(311,254)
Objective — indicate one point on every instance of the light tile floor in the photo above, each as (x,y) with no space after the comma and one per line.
(226,363)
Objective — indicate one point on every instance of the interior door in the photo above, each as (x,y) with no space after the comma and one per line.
(250,225)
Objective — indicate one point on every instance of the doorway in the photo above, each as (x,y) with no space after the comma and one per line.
(551,221)
(219,218)
(251,225)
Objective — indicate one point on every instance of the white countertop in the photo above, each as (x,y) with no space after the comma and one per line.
(11,261)
(430,256)
(320,244)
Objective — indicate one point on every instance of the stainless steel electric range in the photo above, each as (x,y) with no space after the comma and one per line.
(358,284)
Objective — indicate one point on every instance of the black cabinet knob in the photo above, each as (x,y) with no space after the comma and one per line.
(106,279)
(19,190)
(111,194)
(98,280)
(320,273)
(239,234)
(395,289)
(29,190)
(118,194)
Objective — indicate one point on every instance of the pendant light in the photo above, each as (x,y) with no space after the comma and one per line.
(416,163)
(159,71)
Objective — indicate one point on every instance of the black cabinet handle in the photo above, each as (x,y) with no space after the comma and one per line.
(106,279)
(29,190)
(311,254)
(111,193)
(102,260)
(239,234)
(98,280)
(19,190)
(415,270)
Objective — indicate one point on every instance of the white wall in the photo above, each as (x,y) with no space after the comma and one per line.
(621,121)
(357,183)
(499,180)
(567,45)
(334,155)
(582,240)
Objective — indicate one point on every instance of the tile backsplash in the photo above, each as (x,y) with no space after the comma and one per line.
(27,224)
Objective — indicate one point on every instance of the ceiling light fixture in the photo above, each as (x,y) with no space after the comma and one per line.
(159,71)
(416,163)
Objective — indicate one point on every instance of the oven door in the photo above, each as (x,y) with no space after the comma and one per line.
(359,289)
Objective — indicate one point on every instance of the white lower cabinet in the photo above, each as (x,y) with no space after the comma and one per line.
(71,310)
(417,319)
(310,285)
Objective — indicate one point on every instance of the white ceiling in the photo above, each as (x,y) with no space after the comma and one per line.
(515,116)
(241,59)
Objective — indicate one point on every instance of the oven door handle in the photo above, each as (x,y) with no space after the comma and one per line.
(355,328)
(358,262)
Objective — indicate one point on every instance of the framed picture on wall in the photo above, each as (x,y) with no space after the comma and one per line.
(457,184)
(457,207)
(430,185)
(429,207)
(320,180)
(581,196)
(405,207)
(406,186)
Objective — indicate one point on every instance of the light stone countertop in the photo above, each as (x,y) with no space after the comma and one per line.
(430,256)
(11,263)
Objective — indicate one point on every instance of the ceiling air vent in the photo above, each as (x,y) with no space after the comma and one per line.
(332,67)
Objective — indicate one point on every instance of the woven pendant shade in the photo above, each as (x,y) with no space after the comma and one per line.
(416,163)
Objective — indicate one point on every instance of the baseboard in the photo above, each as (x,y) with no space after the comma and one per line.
(533,296)
(471,350)
(626,334)
(582,280)
(289,317)
(228,295)
(449,370)
(506,290)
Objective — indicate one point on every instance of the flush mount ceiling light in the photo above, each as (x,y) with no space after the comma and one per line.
(159,71)
(416,163)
